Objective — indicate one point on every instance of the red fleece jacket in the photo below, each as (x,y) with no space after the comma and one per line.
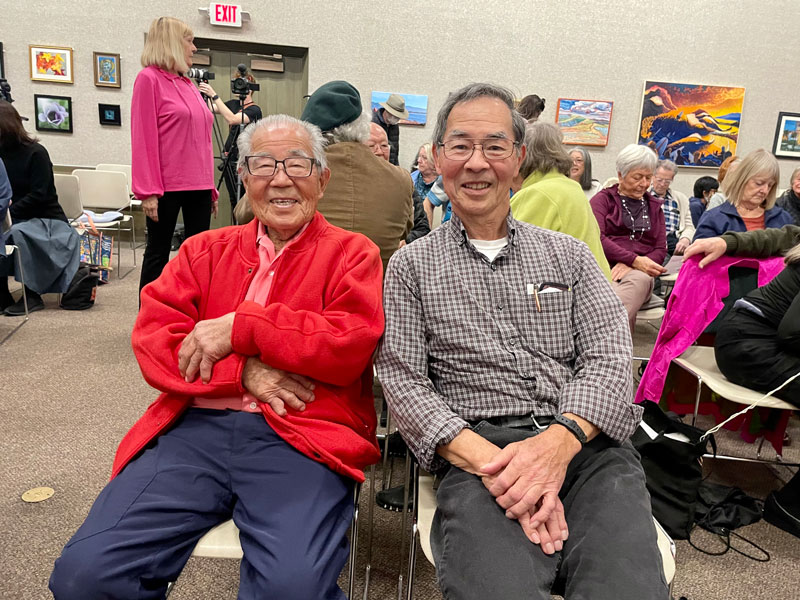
(323,319)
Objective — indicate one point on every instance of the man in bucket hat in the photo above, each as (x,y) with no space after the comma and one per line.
(388,117)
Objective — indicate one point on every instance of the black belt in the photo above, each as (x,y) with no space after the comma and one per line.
(529,421)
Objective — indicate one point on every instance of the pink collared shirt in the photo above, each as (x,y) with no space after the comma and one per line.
(258,292)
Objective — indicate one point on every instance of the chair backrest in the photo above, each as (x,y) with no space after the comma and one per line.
(103,189)
(121,168)
(68,190)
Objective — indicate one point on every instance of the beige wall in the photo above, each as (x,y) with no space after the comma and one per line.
(589,49)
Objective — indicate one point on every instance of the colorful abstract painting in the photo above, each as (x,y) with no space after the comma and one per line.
(787,136)
(692,125)
(51,63)
(584,122)
(416,105)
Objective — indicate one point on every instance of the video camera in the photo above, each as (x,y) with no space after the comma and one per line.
(199,74)
(5,90)
(240,85)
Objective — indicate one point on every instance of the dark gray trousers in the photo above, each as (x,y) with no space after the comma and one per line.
(611,553)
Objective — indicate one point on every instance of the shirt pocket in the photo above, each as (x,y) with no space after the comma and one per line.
(549,324)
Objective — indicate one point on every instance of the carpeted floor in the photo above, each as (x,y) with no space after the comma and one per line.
(71,389)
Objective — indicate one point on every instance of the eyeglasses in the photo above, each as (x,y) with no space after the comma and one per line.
(266,166)
(493,149)
(662,180)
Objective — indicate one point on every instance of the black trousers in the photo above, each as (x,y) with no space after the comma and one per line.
(196,207)
(748,354)
(229,175)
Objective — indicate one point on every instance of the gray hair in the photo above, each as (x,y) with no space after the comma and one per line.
(667,164)
(793,255)
(545,150)
(473,91)
(356,130)
(586,178)
(271,122)
(795,175)
(758,162)
(634,156)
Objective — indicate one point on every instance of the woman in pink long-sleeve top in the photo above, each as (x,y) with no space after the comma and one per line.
(171,151)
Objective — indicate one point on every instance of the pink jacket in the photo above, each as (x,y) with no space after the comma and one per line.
(170,135)
(695,301)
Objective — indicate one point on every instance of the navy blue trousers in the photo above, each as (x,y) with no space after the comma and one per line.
(292,512)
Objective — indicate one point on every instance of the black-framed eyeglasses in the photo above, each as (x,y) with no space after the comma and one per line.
(493,149)
(266,166)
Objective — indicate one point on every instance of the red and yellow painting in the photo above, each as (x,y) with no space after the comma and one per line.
(51,63)
(690,124)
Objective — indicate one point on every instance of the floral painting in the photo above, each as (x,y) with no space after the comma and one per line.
(53,113)
(584,122)
(51,63)
(690,124)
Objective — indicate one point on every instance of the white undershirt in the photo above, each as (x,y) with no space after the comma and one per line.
(490,248)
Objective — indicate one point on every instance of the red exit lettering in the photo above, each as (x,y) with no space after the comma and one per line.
(225,14)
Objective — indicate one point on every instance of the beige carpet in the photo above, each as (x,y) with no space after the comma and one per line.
(71,388)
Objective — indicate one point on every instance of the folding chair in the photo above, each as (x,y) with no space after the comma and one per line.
(422,519)
(13,249)
(69,195)
(700,362)
(222,541)
(109,190)
(127,170)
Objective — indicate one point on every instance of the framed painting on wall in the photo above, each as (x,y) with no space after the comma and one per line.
(106,70)
(110,114)
(53,113)
(787,132)
(2,63)
(416,105)
(693,125)
(584,122)
(51,63)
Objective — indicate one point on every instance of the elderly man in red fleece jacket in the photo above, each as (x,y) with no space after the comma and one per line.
(260,339)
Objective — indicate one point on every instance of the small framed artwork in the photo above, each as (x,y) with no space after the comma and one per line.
(787,136)
(51,63)
(584,122)
(106,69)
(2,64)
(110,114)
(415,104)
(53,113)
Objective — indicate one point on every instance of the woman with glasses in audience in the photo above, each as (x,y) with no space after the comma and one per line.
(171,153)
(581,171)
(632,228)
(750,193)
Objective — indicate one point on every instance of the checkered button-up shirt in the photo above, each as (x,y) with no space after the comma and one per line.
(672,213)
(468,339)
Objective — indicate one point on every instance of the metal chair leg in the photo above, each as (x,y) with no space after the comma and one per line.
(412,552)
(370,513)
(697,400)
(351,567)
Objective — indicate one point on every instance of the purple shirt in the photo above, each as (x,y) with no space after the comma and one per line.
(615,234)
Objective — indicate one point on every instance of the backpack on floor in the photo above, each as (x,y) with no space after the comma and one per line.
(82,290)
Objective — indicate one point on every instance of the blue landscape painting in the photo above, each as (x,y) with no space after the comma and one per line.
(416,105)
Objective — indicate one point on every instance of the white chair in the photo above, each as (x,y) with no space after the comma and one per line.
(69,195)
(422,519)
(222,541)
(700,362)
(134,203)
(108,190)
(13,249)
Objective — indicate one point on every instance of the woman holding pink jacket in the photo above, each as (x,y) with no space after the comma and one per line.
(171,151)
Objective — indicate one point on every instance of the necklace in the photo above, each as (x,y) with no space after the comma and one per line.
(644,214)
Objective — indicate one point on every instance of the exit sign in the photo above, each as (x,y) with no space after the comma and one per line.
(228,15)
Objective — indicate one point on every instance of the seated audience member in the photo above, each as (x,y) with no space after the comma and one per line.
(365,194)
(5,200)
(750,192)
(675,204)
(790,199)
(704,189)
(52,254)
(632,228)
(550,199)
(388,117)
(260,339)
(438,197)
(516,394)
(758,342)
(379,144)
(581,171)
(727,167)
(530,107)
(425,175)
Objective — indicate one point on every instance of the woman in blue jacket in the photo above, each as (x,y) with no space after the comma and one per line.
(750,190)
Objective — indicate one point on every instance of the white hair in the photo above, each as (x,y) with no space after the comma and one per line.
(635,156)
(271,122)
(356,130)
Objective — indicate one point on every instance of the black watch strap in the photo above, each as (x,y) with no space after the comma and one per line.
(573,427)
(215,97)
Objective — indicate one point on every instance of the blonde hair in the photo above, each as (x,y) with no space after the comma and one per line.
(793,255)
(758,162)
(164,45)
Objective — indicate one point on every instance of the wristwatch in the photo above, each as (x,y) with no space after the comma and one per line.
(215,97)
(572,426)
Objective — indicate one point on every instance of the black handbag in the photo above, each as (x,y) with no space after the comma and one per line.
(671,453)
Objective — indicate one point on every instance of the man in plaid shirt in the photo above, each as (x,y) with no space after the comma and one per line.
(506,362)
